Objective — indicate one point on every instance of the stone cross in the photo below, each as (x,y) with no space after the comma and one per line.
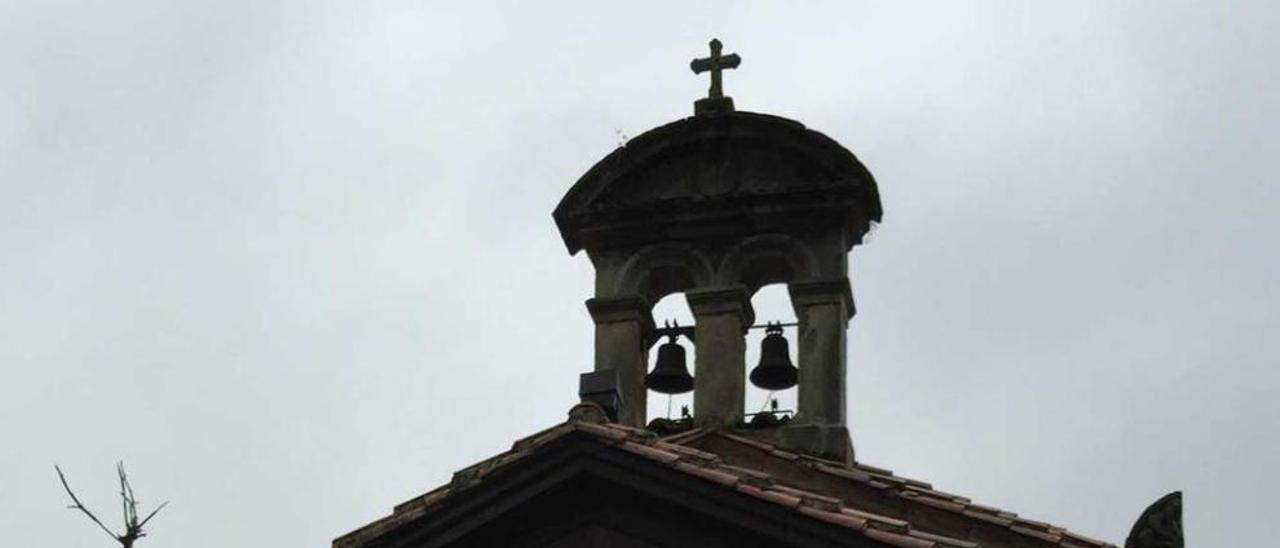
(715,64)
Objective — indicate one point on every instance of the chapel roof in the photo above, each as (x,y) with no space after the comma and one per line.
(869,502)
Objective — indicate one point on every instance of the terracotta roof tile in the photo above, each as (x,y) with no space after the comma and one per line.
(540,437)
(706,465)
(719,476)
(904,541)
(843,520)
(847,473)
(989,509)
(877,518)
(1081,540)
(685,437)
(924,493)
(613,431)
(785,454)
(665,457)
(945,541)
(1037,533)
(936,493)
(873,469)
(1035,524)
(988,517)
(693,453)
(772,495)
(826,504)
(431,497)
(944,504)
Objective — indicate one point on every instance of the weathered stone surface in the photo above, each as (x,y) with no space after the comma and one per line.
(732,174)
(826,440)
(823,309)
(621,325)
(722,316)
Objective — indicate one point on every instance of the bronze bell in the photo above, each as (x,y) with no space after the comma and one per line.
(775,371)
(670,374)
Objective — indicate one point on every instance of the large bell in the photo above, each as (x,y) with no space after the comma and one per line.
(775,371)
(671,374)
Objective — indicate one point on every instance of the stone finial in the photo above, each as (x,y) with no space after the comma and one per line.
(1160,526)
(588,411)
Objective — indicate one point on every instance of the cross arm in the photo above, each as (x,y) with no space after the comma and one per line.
(708,63)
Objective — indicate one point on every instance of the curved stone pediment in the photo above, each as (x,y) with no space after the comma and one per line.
(736,171)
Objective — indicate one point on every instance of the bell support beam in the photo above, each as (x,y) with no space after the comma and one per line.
(722,315)
(622,325)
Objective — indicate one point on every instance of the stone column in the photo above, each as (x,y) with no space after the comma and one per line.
(722,316)
(823,309)
(621,325)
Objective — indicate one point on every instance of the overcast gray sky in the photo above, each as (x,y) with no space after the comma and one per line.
(294,263)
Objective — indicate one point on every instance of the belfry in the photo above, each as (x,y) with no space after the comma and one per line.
(714,207)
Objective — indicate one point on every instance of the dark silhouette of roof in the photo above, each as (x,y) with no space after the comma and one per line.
(871,503)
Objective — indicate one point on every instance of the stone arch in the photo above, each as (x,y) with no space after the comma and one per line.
(658,270)
(766,259)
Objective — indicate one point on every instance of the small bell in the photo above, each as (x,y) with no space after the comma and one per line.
(670,374)
(774,371)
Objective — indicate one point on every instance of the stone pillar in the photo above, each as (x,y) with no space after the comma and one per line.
(722,316)
(621,325)
(823,309)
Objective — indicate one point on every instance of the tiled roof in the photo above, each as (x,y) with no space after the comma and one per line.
(909,490)
(676,453)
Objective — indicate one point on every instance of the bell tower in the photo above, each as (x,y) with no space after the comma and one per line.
(716,206)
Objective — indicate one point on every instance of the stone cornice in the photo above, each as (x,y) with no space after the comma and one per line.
(735,299)
(620,309)
(832,291)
